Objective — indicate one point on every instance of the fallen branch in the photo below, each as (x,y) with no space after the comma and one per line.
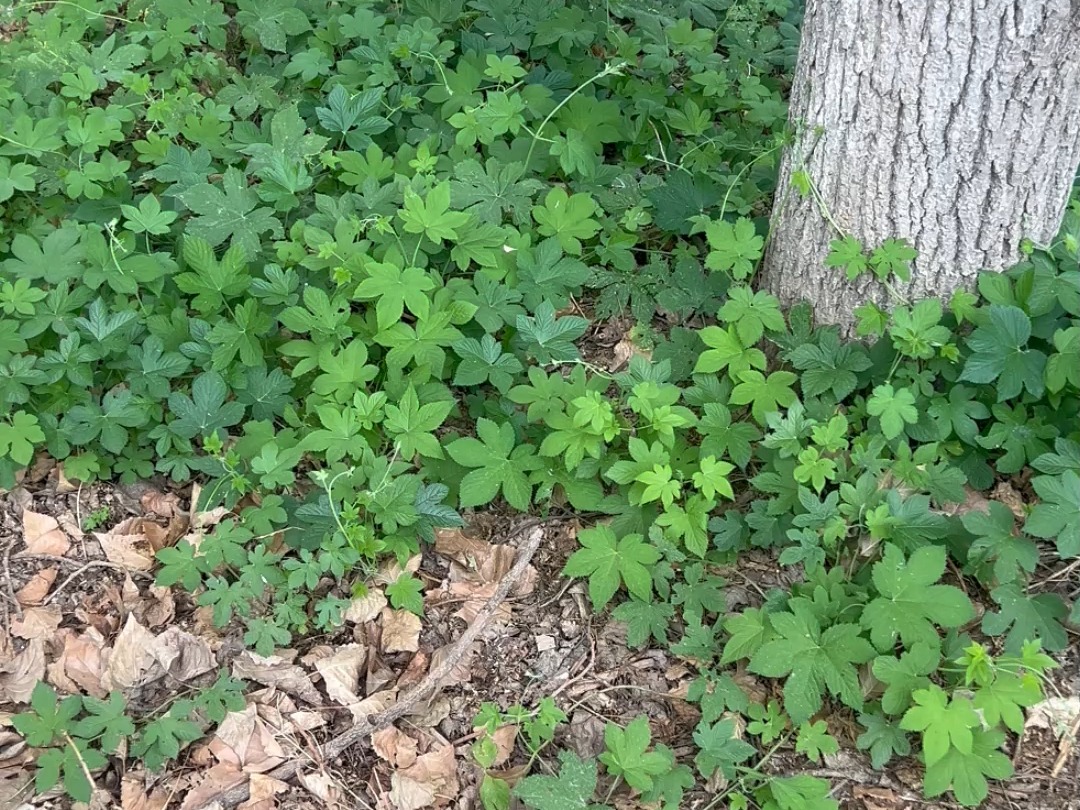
(431,682)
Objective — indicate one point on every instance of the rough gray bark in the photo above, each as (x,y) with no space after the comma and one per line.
(952,123)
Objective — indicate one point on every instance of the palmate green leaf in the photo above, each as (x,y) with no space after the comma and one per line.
(406,593)
(205,410)
(1025,618)
(894,408)
(1003,700)
(751,313)
(431,215)
(494,190)
(230,212)
(883,739)
(18,437)
(815,741)
(106,721)
(765,395)
(644,619)
(893,256)
(571,789)
(56,258)
(905,675)
(161,739)
(627,754)
(965,773)
(909,603)
(69,764)
(485,361)
(568,218)
(727,350)
(802,793)
(749,630)
(50,719)
(814,661)
(549,338)
(734,248)
(497,465)
(412,425)
(848,253)
(1055,517)
(15,177)
(1000,354)
(944,723)
(996,541)
(545,274)
(722,437)
(829,366)
(719,749)
(271,22)
(608,561)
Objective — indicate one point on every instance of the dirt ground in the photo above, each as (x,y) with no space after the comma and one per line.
(75,632)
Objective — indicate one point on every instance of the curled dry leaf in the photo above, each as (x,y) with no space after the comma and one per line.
(129,550)
(400,631)
(462,672)
(366,608)
(136,795)
(432,777)
(262,791)
(131,657)
(504,739)
(341,673)
(20,675)
(37,622)
(159,503)
(322,786)
(279,672)
(43,535)
(34,591)
(391,570)
(373,704)
(182,655)
(81,663)
(394,746)
(213,782)
(244,740)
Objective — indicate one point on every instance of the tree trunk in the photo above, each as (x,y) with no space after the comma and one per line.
(954,124)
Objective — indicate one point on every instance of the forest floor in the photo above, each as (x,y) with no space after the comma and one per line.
(104,624)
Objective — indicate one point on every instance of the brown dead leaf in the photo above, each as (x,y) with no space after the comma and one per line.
(132,655)
(366,608)
(277,671)
(373,704)
(462,671)
(165,504)
(468,552)
(400,631)
(81,662)
(341,673)
(19,675)
(322,786)
(214,782)
(156,609)
(306,721)
(129,550)
(433,777)
(136,795)
(414,672)
(262,791)
(395,746)
(504,738)
(876,798)
(43,535)
(391,570)
(182,655)
(34,591)
(243,739)
(37,622)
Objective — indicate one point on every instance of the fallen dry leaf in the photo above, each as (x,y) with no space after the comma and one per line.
(262,791)
(182,655)
(157,608)
(460,672)
(43,535)
(277,671)
(159,503)
(876,798)
(1056,714)
(341,673)
(34,591)
(468,552)
(129,550)
(81,663)
(433,776)
(19,675)
(504,738)
(394,746)
(135,795)
(366,608)
(214,781)
(391,570)
(373,704)
(37,622)
(400,631)
(132,655)
(322,786)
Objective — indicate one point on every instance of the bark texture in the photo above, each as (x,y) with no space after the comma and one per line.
(952,123)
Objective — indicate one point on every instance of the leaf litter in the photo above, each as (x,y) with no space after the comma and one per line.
(119,631)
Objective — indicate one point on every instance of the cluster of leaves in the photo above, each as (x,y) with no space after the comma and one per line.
(76,733)
(331,260)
